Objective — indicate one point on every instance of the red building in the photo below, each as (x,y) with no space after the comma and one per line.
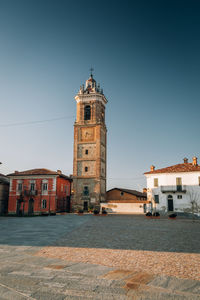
(39,191)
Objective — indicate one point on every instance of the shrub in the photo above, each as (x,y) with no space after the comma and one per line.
(156,214)
(173,216)
(149,214)
(80,211)
(96,211)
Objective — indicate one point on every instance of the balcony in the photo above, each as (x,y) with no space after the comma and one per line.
(173,188)
(30,192)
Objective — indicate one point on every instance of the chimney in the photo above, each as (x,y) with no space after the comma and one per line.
(144,190)
(185,160)
(194,161)
(152,168)
(59,172)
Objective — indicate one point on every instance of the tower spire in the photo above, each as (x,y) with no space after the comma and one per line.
(91,70)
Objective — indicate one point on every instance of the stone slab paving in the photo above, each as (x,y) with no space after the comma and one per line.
(26,272)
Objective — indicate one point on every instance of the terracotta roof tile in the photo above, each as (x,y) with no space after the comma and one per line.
(186,167)
(132,192)
(37,172)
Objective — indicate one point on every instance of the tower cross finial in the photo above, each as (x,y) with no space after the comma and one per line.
(91,70)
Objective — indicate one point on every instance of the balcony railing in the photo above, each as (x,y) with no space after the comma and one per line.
(173,188)
(30,192)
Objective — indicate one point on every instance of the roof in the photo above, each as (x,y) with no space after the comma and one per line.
(129,201)
(38,172)
(185,167)
(4,179)
(132,192)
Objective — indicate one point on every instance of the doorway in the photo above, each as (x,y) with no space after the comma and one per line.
(30,207)
(18,209)
(85,206)
(170,203)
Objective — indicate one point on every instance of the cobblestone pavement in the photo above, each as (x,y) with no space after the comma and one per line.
(89,257)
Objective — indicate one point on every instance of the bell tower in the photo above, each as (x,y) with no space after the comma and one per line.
(89,165)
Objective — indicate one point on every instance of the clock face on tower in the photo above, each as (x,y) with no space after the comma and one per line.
(87,134)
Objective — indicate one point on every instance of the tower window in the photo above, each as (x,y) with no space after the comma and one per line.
(86,151)
(86,191)
(86,169)
(87,112)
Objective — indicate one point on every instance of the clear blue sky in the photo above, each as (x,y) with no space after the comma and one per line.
(145,55)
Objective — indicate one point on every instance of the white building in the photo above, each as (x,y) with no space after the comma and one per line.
(175,188)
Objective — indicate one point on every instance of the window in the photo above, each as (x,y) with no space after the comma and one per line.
(179,183)
(32,187)
(156,198)
(19,188)
(179,196)
(122,193)
(86,191)
(155,182)
(67,190)
(86,169)
(45,186)
(86,151)
(44,203)
(87,112)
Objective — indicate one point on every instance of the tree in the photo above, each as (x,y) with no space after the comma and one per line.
(194,202)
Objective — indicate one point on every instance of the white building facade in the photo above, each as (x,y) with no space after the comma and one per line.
(175,188)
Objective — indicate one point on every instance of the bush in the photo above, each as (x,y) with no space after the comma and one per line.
(156,214)
(173,216)
(80,211)
(149,214)
(96,211)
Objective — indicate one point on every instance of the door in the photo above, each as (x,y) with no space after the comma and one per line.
(30,207)
(18,209)
(170,203)
(85,207)
(68,206)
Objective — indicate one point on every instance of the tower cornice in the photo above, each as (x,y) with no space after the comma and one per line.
(91,97)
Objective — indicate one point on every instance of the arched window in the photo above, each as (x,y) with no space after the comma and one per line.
(87,112)
(86,191)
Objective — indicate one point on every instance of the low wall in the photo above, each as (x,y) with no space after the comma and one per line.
(116,207)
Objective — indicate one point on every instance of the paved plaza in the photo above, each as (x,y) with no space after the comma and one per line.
(99,257)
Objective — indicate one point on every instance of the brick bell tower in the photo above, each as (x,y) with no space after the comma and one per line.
(89,165)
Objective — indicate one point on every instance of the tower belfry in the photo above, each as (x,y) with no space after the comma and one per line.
(89,165)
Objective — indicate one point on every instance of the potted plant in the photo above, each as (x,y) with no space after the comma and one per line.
(104,212)
(80,212)
(156,215)
(96,212)
(90,209)
(148,215)
(172,216)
